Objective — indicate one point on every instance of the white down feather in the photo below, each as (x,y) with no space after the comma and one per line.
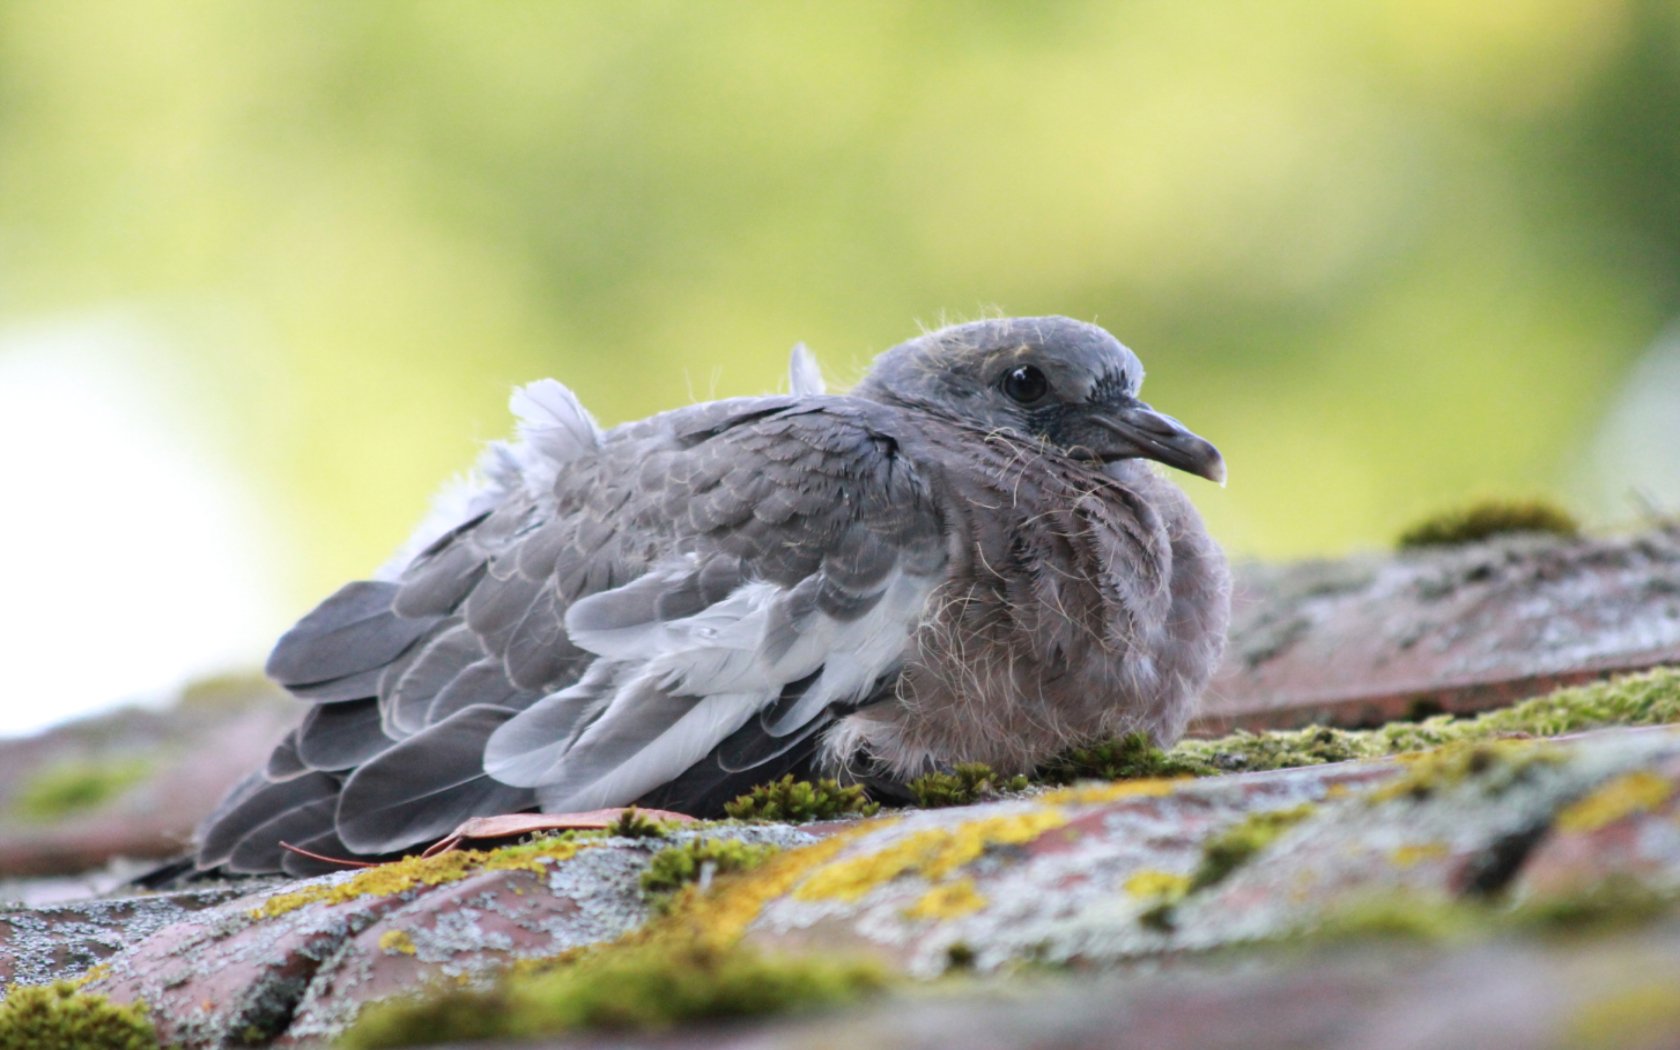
(553,428)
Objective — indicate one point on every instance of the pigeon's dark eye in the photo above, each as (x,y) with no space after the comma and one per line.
(1025,384)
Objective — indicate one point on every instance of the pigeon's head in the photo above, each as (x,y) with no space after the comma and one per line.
(1061,381)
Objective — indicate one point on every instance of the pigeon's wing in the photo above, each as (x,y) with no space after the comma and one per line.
(801,552)
(387,660)
(695,597)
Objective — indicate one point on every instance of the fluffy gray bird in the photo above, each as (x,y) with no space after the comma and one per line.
(967,559)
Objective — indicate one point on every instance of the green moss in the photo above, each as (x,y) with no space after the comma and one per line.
(1130,757)
(1652,698)
(1400,916)
(58,1017)
(1494,517)
(76,787)
(633,824)
(1494,765)
(1618,902)
(672,869)
(1222,853)
(1230,849)
(966,783)
(643,988)
(790,800)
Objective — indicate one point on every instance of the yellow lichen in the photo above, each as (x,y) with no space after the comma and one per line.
(1494,765)
(1154,884)
(718,917)
(403,875)
(1638,792)
(1095,794)
(396,942)
(952,900)
(933,854)
(1415,853)
(96,972)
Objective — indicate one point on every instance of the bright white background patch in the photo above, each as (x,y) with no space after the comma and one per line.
(132,560)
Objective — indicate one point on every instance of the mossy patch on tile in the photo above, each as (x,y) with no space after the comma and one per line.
(687,963)
(59,1017)
(1487,518)
(1495,766)
(965,784)
(1130,757)
(934,853)
(1651,698)
(1223,852)
(634,824)
(699,860)
(793,801)
(649,987)
(74,786)
(1618,902)
(411,873)
(1226,851)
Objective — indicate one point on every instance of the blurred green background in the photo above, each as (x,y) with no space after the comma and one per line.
(1386,255)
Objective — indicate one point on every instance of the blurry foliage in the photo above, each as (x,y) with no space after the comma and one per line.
(1487,518)
(77,786)
(1381,253)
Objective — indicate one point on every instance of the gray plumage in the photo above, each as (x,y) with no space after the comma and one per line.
(968,558)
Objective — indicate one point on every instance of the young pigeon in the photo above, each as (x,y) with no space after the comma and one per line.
(968,558)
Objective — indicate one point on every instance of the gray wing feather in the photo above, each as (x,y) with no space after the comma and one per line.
(260,850)
(498,603)
(352,631)
(337,690)
(435,585)
(335,737)
(538,654)
(284,763)
(408,702)
(528,750)
(422,787)
(256,803)
(642,740)
(478,683)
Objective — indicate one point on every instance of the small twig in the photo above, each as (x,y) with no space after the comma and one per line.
(324,859)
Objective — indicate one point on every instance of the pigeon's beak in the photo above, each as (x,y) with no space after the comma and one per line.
(1132,430)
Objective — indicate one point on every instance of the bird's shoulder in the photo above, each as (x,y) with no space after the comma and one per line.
(754,476)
